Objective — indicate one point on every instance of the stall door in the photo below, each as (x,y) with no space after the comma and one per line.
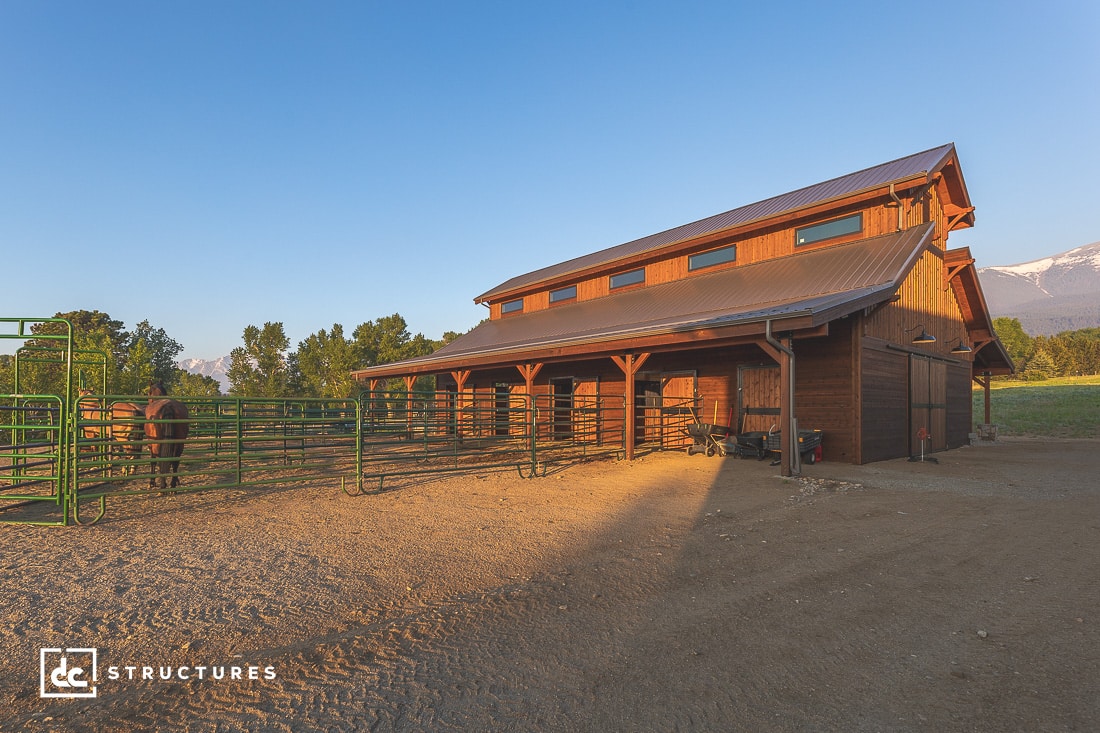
(586,392)
(677,408)
(758,398)
(927,404)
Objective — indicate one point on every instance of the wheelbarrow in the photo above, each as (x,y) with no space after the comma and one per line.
(706,438)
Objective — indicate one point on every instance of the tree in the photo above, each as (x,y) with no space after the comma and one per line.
(88,322)
(1040,366)
(160,350)
(1016,342)
(324,362)
(196,385)
(387,340)
(135,376)
(259,368)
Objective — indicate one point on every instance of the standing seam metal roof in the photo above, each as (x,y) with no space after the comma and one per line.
(919,163)
(835,279)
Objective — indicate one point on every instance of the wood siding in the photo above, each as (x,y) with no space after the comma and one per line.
(825,390)
(924,301)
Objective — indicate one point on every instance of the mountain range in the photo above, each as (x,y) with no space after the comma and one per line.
(1049,295)
(216,368)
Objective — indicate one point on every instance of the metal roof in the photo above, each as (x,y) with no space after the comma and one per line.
(825,284)
(926,163)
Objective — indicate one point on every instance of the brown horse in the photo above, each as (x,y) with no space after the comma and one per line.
(166,429)
(121,427)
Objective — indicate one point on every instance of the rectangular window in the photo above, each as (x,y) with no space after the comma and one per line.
(512,306)
(569,293)
(714,257)
(829,229)
(627,278)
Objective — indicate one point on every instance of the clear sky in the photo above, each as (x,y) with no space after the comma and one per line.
(211,165)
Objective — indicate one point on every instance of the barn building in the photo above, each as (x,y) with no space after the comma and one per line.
(838,307)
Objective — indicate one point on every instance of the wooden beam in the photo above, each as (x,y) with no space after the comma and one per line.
(950,273)
(460,376)
(529,371)
(954,221)
(703,338)
(787,442)
(410,381)
(984,380)
(630,363)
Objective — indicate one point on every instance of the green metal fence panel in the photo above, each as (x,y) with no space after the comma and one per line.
(422,433)
(231,443)
(577,427)
(33,487)
(34,445)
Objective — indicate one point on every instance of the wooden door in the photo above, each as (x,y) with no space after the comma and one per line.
(677,408)
(758,396)
(586,414)
(927,404)
(647,420)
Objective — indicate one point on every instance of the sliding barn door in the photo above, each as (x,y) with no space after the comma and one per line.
(927,404)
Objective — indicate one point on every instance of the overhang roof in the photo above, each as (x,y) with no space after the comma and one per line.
(815,287)
(924,166)
(990,354)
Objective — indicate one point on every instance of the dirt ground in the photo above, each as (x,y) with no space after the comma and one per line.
(673,593)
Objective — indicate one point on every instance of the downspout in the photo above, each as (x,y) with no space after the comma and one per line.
(898,202)
(794,460)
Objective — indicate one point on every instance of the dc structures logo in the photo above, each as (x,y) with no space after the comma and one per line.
(67,672)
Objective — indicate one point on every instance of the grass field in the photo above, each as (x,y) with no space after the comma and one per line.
(1067,407)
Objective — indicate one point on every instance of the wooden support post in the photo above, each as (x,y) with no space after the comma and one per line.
(410,382)
(787,442)
(630,364)
(460,376)
(984,381)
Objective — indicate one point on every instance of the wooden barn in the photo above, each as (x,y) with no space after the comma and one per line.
(838,307)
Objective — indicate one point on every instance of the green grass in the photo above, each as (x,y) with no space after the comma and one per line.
(1066,407)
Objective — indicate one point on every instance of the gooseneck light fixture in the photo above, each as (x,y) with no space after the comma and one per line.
(923,337)
(961,348)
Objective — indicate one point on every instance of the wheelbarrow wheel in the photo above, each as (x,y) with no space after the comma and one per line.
(710,451)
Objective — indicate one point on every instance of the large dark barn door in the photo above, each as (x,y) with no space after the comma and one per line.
(927,404)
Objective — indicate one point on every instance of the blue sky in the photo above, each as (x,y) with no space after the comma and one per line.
(211,165)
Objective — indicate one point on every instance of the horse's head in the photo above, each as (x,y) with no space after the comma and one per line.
(156,389)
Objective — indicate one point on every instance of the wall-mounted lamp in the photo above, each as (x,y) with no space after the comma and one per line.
(961,348)
(923,337)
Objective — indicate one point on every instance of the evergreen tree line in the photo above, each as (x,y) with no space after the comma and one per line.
(1067,354)
(263,367)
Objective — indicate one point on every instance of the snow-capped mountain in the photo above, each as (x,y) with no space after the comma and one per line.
(1059,293)
(216,368)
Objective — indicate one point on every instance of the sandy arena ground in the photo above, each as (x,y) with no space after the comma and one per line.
(673,593)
